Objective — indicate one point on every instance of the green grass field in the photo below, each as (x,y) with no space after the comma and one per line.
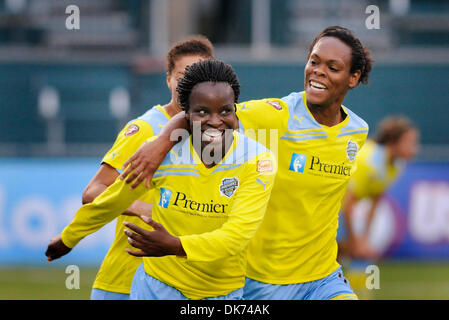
(411,281)
(43,283)
(398,281)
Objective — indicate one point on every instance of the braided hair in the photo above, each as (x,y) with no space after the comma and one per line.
(206,71)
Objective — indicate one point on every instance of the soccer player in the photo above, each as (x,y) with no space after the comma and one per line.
(210,195)
(294,253)
(379,164)
(113,281)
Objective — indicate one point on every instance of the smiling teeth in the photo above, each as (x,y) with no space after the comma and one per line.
(317,85)
(212,133)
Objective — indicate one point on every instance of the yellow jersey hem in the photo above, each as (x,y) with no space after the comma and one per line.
(193,295)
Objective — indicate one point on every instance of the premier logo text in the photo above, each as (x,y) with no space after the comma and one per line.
(182,201)
(340,169)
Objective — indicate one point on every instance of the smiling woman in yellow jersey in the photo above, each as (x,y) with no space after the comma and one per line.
(296,242)
(214,211)
(293,254)
(114,278)
(206,211)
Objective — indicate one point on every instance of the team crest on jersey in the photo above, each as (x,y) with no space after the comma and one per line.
(351,150)
(132,129)
(228,186)
(275,104)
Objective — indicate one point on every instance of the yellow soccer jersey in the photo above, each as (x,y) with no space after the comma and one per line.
(296,241)
(214,219)
(118,267)
(374,172)
(214,211)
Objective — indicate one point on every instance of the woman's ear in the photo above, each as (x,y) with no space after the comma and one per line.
(354,79)
(167,79)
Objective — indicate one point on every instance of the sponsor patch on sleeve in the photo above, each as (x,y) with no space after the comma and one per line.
(132,129)
(264,166)
(275,104)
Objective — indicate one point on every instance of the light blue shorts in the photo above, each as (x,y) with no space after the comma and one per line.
(146,287)
(98,294)
(334,286)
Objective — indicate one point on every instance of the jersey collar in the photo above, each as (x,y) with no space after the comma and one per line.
(335,128)
(197,159)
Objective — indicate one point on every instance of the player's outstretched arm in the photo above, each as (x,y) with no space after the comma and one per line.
(93,216)
(145,161)
(103,178)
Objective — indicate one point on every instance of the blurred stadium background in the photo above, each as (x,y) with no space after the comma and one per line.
(64,95)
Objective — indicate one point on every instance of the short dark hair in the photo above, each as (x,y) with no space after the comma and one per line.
(210,70)
(195,45)
(361,57)
(392,128)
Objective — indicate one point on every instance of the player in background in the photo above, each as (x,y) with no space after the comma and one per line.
(294,253)
(210,195)
(379,165)
(113,281)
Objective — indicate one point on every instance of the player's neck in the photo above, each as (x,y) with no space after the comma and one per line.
(327,115)
(172,108)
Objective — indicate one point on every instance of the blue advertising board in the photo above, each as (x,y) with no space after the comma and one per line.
(412,219)
(38,198)
(422,201)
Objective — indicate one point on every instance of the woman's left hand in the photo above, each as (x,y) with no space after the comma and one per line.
(156,243)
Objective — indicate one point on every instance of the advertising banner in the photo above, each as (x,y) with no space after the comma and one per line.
(412,219)
(38,198)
